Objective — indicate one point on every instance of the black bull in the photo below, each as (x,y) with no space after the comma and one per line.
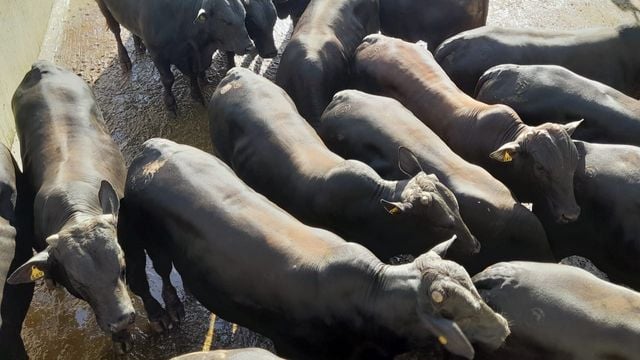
(312,293)
(74,197)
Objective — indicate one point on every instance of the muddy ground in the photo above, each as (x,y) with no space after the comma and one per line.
(61,327)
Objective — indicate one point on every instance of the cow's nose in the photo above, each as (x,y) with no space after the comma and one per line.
(123,322)
(570,216)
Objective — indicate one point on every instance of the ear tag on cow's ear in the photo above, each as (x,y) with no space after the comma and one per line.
(36,273)
(394,211)
(442,340)
(506,157)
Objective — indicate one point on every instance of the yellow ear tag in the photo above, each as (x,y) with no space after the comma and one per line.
(443,340)
(36,273)
(394,211)
(506,157)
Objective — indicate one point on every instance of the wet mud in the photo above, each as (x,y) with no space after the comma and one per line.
(59,326)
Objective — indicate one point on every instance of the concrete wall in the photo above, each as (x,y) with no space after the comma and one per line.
(23,24)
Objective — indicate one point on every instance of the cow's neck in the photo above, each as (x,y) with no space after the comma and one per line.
(65,206)
(583,149)
(359,185)
(493,127)
(393,300)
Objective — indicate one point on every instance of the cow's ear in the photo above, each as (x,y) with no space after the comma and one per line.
(449,335)
(408,162)
(506,152)
(423,45)
(34,269)
(392,208)
(109,201)
(442,248)
(572,126)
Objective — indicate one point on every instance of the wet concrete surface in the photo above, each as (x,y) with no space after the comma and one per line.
(61,327)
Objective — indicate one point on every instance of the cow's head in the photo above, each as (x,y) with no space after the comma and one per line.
(85,257)
(223,23)
(450,307)
(261,17)
(426,199)
(547,156)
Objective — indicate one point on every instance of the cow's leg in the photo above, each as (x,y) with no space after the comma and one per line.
(192,73)
(139,45)
(194,85)
(114,26)
(167,78)
(192,69)
(162,265)
(132,239)
(231,59)
(196,91)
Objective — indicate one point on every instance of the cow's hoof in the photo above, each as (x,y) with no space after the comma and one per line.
(160,322)
(122,342)
(170,103)
(139,45)
(176,311)
(197,96)
(125,64)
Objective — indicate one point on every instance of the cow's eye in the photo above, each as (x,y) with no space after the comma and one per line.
(202,18)
(446,314)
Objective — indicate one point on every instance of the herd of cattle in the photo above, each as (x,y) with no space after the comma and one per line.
(366,147)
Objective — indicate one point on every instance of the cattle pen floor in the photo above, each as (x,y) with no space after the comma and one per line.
(61,327)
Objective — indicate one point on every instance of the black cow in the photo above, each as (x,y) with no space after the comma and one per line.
(15,249)
(607,183)
(185,33)
(315,63)
(312,293)
(536,163)
(255,129)
(236,354)
(559,312)
(372,128)
(431,21)
(259,21)
(608,55)
(540,93)
(75,177)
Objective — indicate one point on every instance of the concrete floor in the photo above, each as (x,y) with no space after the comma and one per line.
(61,327)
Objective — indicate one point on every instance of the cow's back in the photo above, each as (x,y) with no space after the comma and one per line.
(431,21)
(315,63)
(239,254)
(553,308)
(65,146)
(550,93)
(602,54)
(230,225)
(254,125)
(61,130)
